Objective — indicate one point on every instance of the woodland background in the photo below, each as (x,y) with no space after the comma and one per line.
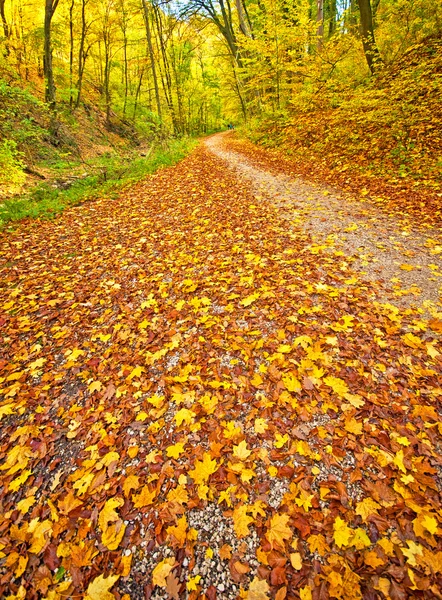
(87,88)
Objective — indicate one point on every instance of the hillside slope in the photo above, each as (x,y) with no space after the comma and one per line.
(386,132)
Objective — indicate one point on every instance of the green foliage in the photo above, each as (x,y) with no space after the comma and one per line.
(11,165)
(111,173)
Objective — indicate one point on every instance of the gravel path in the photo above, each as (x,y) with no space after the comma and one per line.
(407,262)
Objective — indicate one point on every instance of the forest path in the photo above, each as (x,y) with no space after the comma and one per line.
(199,399)
(405,261)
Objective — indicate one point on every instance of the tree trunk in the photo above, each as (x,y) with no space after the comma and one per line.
(50,8)
(81,53)
(319,22)
(152,57)
(371,50)
(71,53)
(6,29)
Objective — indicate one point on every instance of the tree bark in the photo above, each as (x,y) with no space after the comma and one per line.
(319,22)
(71,53)
(152,57)
(50,8)
(6,29)
(371,50)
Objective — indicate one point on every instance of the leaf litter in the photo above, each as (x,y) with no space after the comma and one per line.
(203,397)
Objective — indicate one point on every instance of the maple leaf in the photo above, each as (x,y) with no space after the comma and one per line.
(111,525)
(240,451)
(367,507)
(278,531)
(179,531)
(40,531)
(342,532)
(130,483)
(203,469)
(280,440)
(260,426)
(175,451)
(241,520)
(258,590)
(184,415)
(291,382)
(144,498)
(250,299)
(337,385)
(162,570)
(68,503)
(192,584)
(99,588)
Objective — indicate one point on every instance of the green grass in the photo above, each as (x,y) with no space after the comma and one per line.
(110,174)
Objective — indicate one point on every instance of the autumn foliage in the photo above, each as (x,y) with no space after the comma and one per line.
(197,399)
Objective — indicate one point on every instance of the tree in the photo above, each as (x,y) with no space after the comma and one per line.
(371,50)
(50,8)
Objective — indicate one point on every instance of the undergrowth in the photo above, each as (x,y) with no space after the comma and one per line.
(110,174)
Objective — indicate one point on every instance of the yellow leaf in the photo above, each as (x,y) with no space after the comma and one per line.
(241,520)
(24,505)
(179,495)
(280,440)
(273,471)
(278,531)
(305,593)
(136,372)
(366,508)
(203,469)
(256,380)
(406,267)
(144,498)
(372,559)
(337,385)
(258,590)
(18,481)
(130,483)
(342,533)
(95,386)
(111,525)
(179,531)
(291,383)
(318,543)
(142,416)
(41,531)
(260,426)
(412,340)
(240,451)
(353,426)
(360,539)
(250,299)
(192,584)
(161,571)
(399,461)
(184,416)
(355,400)
(296,561)
(175,451)
(99,588)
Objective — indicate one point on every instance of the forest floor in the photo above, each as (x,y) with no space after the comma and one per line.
(224,383)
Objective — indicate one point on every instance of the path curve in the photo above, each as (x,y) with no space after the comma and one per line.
(406,263)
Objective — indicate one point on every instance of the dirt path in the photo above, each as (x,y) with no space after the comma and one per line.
(407,262)
(202,396)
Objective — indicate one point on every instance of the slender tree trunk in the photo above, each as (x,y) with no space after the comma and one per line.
(71,53)
(320,22)
(81,53)
(6,29)
(50,8)
(137,94)
(371,50)
(152,57)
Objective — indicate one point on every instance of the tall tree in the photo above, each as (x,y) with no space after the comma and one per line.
(151,56)
(371,50)
(50,8)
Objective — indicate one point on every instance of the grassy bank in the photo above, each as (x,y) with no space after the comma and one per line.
(108,175)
